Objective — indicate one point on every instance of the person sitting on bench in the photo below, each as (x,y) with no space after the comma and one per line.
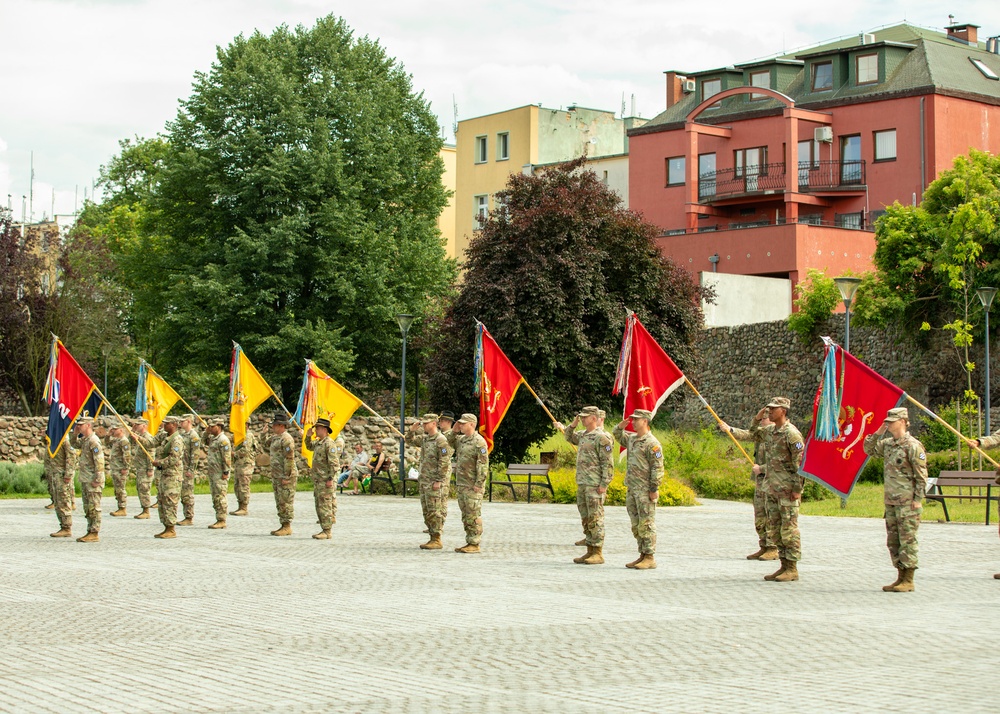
(356,470)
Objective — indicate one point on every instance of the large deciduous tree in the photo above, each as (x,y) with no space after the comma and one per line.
(551,274)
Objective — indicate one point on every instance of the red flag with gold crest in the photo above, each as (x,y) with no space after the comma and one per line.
(497,381)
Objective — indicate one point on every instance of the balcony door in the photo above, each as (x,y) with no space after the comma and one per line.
(749,164)
(850,160)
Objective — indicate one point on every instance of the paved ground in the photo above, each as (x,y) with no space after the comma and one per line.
(240,621)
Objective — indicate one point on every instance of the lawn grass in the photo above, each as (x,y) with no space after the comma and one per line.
(866,502)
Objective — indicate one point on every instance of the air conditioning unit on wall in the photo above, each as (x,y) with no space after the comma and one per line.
(823,133)
(689,86)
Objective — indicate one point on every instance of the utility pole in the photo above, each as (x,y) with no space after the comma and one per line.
(31,189)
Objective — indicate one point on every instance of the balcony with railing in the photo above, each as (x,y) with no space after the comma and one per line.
(768,179)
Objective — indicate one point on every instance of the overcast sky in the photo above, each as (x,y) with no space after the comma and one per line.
(78,75)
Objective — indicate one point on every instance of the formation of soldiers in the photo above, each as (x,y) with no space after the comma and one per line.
(171,456)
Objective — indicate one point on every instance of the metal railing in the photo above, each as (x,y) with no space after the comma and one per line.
(770,178)
(848,221)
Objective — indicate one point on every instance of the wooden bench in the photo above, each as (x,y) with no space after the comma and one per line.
(964,479)
(524,475)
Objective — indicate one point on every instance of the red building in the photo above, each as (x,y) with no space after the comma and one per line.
(863,122)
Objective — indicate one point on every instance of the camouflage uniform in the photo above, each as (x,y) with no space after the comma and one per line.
(170,454)
(91,466)
(244,463)
(472,467)
(119,461)
(325,468)
(905,484)
(192,442)
(642,476)
(143,467)
(783,485)
(61,470)
(284,474)
(220,461)
(594,469)
(764,540)
(435,467)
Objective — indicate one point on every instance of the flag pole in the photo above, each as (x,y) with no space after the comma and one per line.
(712,411)
(128,429)
(539,400)
(951,428)
(383,419)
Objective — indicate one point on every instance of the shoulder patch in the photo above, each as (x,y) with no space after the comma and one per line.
(97,449)
(608,447)
(922,456)
(798,445)
(444,450)
(482,450)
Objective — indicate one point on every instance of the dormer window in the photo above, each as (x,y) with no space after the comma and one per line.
(866,69)
(709,88)
(760,79)
(822,76)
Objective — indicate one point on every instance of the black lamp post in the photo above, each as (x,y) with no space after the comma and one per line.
(847,287)
(404,327)
(986,298)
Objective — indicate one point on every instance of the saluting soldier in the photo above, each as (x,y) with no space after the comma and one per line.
(325,468)
(435,476)
(989,442)
(170,462)
(594,471)
(143,464)
(643,476)
(62,467)
(119,461)
(784,445)
(91,472)
(244,463)
(192,443)
(284,473)
(472,467)
(766,549)
(220,462)
(905,468)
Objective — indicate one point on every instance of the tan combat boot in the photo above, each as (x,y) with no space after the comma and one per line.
(756,556)
(779,571)
(186,522)
(50,506)
(63,532)
(168,532)
(899,578)
(596,557)
(143,515)
(635,562)
(648,562)
(285,530)
(468,548)
(91,537)
(906,584)
(590,551)
(582,541)
(996,576)
(219,523)
(770,553)
(433,544)
(120,513)
(323,534)
(791,573)
(156,504)
(241,511)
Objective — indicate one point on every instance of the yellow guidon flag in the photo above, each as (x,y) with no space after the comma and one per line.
(323,397)
(247,391)
(154,398)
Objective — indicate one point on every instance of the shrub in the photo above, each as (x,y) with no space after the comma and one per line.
(22,479)
(817,298)
(672,491)
(872,472)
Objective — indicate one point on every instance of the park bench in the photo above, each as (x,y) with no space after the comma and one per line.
(963,479)
(523,475)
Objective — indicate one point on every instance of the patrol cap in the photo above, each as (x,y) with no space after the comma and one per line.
(590,411)
(171,419)
(641,414)
(601,414)
(325,423)
(450,416)
(188,417)
(218,421)
(782,402)
(427,418)
(140,420)
(897,414)
(85,420)
(468,419)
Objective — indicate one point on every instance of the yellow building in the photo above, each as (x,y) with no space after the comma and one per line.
(446,221)
(491,148)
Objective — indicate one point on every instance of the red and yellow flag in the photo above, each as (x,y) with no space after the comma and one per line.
(497,381)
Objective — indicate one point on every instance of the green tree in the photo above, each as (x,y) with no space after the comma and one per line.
(817,298)
(551,275)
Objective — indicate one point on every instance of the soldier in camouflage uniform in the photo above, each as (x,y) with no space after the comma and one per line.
(284,472)
(170,462)
(905,467)
(642,481)
(326,459)
(594,471)
(91,470)
(61,472)
(766,549)
(988,442)
(220,462)
(783,444)
(472,467)
(435,476)
(192,443)
(145,446)
(244,463)
(119,462)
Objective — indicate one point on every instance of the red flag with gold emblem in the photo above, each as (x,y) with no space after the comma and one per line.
(646,374)
(497,381)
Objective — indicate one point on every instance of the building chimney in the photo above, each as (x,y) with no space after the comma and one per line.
(675,83)
(967,33)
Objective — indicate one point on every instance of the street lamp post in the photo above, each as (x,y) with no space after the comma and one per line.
(986,298)
(404,327)
(847,287)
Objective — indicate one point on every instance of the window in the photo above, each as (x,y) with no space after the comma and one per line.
(709,88)
(503,146)
(706,175)
(604,179)
(750,161)
(850,159)
(885,145)
(480,149)
(675,171)
(808,160)
(760,79)
(866,69)
(480,208)
(822,76)
(854,221)
(987,72)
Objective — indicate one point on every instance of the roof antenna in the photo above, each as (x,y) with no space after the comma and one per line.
(951,20)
